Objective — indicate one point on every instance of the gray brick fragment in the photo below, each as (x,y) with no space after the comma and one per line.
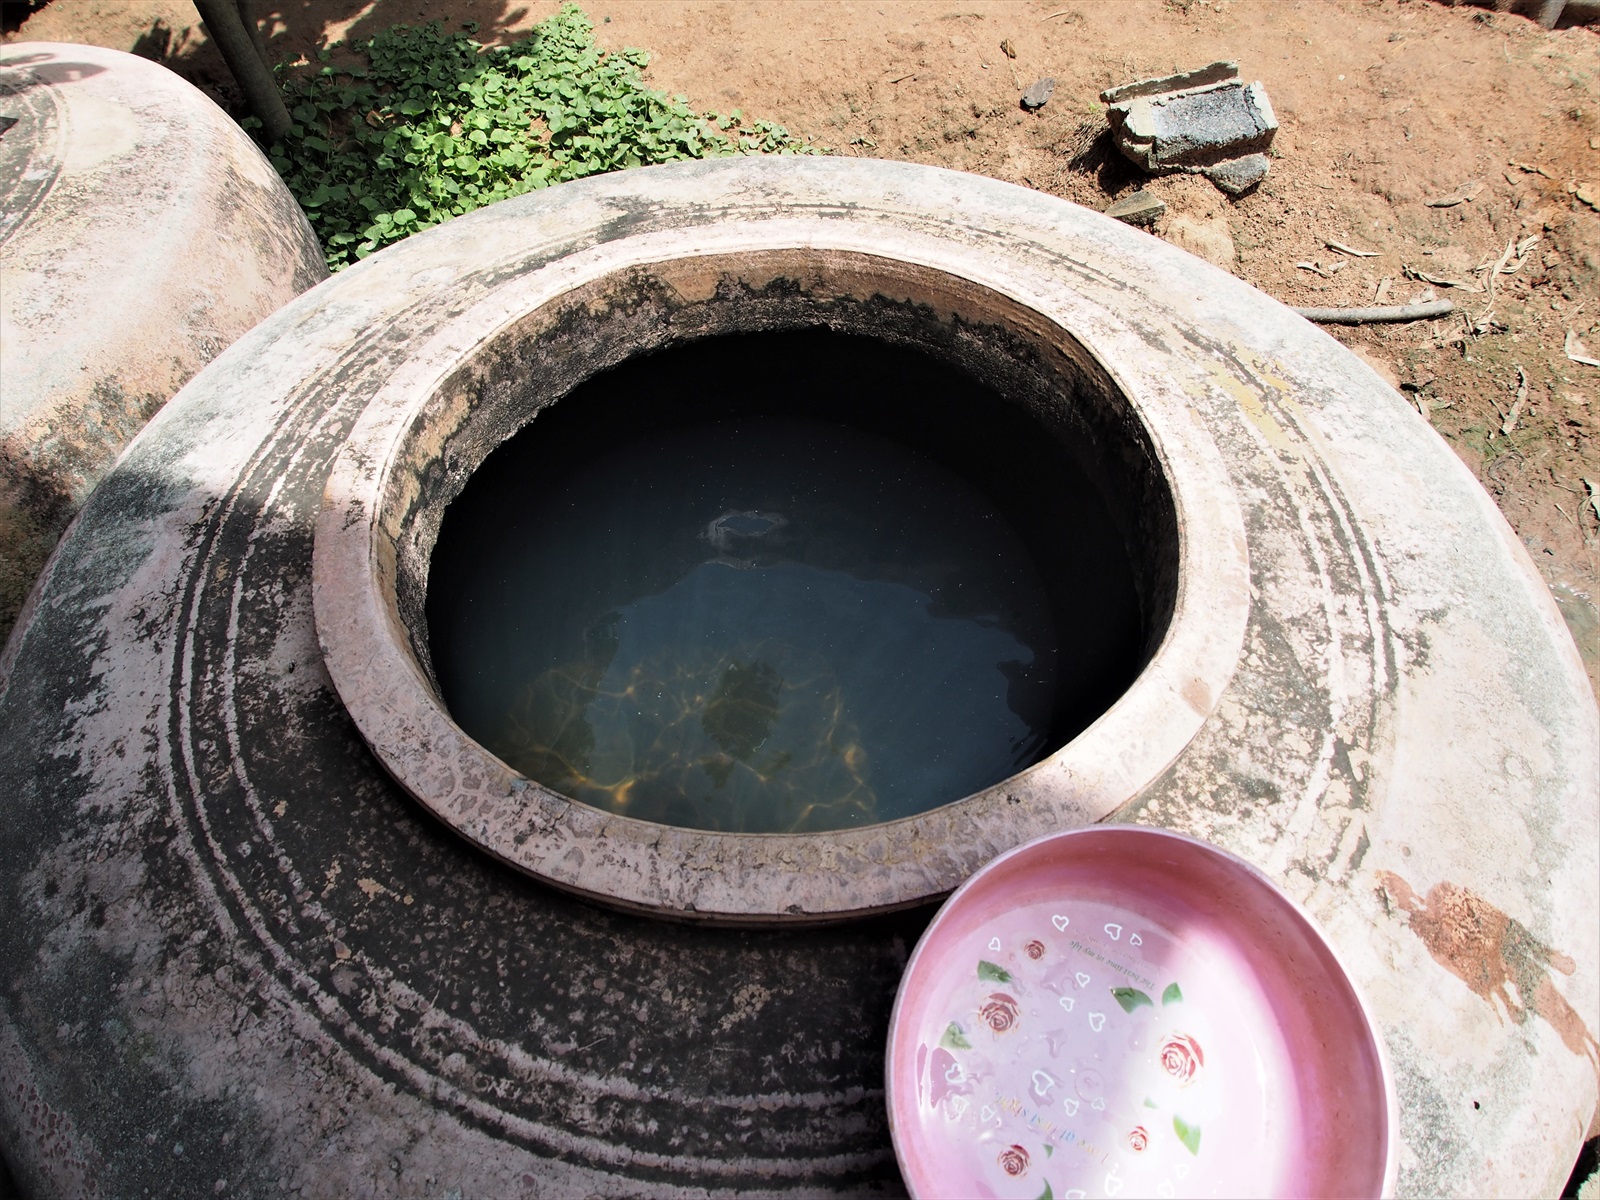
(1217,72)
(1195,128)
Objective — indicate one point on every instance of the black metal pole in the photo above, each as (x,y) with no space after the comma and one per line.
(225,27)
(252,26)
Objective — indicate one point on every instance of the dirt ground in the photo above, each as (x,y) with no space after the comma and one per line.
(1385,106)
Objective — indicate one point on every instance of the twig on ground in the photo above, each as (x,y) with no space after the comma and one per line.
(1378,314)
(1509,458)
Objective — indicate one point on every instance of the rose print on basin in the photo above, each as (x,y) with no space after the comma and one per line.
(1181,1057)
(1053,1091)
(1013,1160)
(1000,1012)
(1073,1042)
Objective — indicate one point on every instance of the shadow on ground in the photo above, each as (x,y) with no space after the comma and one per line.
(295,32)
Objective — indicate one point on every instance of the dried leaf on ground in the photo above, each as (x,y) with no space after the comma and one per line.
(1343,249)
(1510,422)
(1577,352)
(1463,196)
(1439,281)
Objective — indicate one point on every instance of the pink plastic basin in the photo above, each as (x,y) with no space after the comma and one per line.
(1123,1011)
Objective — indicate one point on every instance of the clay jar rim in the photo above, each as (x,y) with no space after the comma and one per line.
(774,878)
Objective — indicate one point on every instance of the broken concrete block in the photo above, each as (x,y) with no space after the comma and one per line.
(1217,72)
(1195,128)
(1239,175)
(1141,208)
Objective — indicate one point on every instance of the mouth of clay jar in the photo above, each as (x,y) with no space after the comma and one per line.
(772,583)
(779,582)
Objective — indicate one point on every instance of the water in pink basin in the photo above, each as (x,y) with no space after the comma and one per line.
(1121,1011)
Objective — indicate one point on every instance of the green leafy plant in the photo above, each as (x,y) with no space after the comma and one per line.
(435,125)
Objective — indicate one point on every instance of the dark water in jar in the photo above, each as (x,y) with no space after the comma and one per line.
(767,621)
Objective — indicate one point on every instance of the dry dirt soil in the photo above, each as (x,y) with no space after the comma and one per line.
(1387,108)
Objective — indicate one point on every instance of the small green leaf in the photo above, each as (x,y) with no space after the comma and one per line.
(1048,1151)
(991,971)
(1188,1134)
(1172,995)
(1047,1194)
(954,1038)
(1131,998)
(1149,1103)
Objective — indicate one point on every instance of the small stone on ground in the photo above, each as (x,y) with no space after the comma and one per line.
(1239,175)
(1037,95)
(1139,208)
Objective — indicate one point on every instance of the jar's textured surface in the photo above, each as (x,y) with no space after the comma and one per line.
(141,231)
(234,950)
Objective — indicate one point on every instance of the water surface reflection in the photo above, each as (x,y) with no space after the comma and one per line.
(765,625)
